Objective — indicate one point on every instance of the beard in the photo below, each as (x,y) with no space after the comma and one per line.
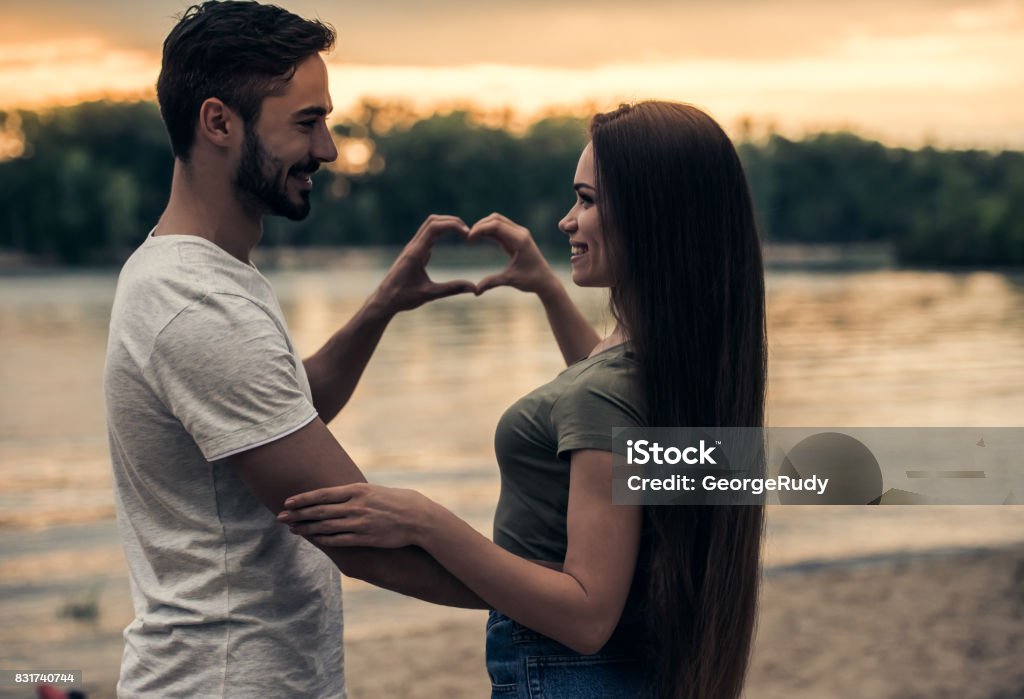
(261,181)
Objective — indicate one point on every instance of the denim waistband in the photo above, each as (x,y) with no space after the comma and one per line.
(525,664)
(627,637)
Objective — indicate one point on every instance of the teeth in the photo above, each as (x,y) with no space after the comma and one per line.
(577,249)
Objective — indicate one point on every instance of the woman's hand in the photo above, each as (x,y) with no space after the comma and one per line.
(359,514)
(527,269)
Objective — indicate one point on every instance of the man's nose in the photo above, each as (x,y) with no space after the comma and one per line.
(324,148)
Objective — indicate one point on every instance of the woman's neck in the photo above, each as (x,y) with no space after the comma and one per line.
(617,337)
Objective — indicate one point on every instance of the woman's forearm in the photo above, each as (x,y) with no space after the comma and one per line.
(574,334)
(579,605)
(552,602)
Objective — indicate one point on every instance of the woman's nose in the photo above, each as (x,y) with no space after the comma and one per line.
(567,224)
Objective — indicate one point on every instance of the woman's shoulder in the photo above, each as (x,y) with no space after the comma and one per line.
(619,360)
(613,371)
(606,390)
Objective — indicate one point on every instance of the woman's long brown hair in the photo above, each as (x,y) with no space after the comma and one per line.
(689,291)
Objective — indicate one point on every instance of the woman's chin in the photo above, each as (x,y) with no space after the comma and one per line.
(581,278)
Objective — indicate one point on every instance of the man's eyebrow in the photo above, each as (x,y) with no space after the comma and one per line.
(312,111)
(581,185)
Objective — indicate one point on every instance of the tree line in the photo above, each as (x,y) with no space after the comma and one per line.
(88,181)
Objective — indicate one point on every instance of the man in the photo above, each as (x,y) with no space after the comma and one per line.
(213,418)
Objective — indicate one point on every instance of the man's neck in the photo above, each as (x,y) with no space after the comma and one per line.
(206,206)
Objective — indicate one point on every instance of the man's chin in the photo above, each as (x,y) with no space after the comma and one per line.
(296,214)
(290,209)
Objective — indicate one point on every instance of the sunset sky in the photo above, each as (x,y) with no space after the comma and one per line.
(949,72)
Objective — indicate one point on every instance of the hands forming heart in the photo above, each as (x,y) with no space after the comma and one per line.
(527,270)
(407,285)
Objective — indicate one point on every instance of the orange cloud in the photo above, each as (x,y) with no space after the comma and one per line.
(954,82)
(44,73)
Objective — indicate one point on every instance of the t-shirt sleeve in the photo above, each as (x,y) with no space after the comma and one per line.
(604,397)
(224,369)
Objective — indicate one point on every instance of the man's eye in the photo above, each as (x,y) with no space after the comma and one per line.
(307,124)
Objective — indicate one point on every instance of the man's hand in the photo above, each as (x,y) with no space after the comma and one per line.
(527,270)
(406,285)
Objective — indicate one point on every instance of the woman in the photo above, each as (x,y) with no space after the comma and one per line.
(594,599)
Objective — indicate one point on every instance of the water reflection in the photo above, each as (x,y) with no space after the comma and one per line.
(868,348)
(896,348)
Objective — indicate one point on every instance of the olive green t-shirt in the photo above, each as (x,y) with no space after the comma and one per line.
(535,438)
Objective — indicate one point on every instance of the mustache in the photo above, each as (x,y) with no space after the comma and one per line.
(307,168)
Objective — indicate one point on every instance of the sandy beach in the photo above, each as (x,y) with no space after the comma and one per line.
(933,626)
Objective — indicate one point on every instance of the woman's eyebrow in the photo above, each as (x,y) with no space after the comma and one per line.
(581,185)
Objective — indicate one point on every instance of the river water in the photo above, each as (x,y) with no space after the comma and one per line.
(862,348)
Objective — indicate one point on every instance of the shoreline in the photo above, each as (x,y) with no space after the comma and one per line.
(943,622)
(778,255)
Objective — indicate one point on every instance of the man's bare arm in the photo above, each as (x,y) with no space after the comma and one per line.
(335,370)
(311,458)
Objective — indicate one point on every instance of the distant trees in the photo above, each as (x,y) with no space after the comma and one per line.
(446,163)
(935,207)
(93,178)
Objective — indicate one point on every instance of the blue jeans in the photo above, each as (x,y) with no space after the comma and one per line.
(524,664)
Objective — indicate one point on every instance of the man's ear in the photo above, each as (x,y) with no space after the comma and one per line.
(219,124)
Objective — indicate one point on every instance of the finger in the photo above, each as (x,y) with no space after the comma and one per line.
(444,289)
(421,246)
(346,539)
(495,217)
(433,219)
(505,233)
(490,227)
(327,526)
(317,512)
(334,494)
(495,280)
(437,225)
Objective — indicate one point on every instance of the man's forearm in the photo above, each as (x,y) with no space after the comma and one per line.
(335,370)
(410,571)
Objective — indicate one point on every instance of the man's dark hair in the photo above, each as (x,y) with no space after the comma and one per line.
(240,52)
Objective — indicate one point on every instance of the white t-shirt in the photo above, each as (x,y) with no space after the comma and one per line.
(200,366)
